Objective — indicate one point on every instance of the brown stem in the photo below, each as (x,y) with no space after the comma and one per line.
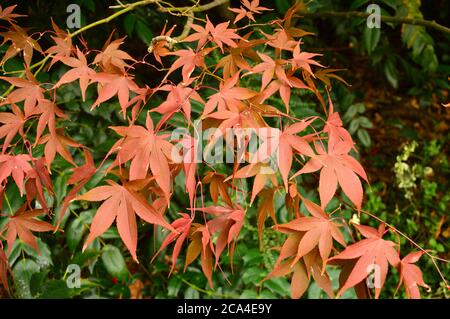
(357,14)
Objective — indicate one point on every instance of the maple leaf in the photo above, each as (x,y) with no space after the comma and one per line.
(269,68)
(190,151)
(80,71)
(411,276)
(22,224)
(201,244)
(20,42)
(8,15)
(179,98)
(182,225)
(16,166)
(319,231)
(262,173)
(300,279)
(146,150)
(374,250)
(201,35)
(280,40)
(36,179)
(336,166)
(304,60)
(229,96)
(288,142)
(110,85)
(284,86)
(62,47)
(56,142)
(12,123)
(227,222)
(4,268)
(265,209)
(159,48)
(221,35)
(112,58)
(188,60)
(236,61)
(49,111)
(250,9)
(334,127)
(81,175)
(28,90)
(218,185)
(121,203)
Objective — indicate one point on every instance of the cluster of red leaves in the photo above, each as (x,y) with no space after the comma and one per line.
(146,171)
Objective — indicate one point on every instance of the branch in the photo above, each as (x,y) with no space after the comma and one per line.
(201,8)
(358,14)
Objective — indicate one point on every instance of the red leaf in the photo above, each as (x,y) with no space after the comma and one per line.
(411,275)
(120,203)
(372,253)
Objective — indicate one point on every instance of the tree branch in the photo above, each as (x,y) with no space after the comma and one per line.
(364,15)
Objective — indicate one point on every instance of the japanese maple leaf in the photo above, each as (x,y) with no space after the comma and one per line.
(201,35)
(311,264)
(262,173)
(229,96)
(334,127)
(265,208)
(12,123)
(411,275)
(20,42)
(304,60)
(4,268)
(227,223)
(189,164)
(49,111)
(236,61)
(319,231)
(112,57)
(110,85)
(280,40)
(37,179)
(22,224)
(57,143)
(28,90)
(81,175)
(221,35)
(179,98)
(146,150)
(218,186)
(373,250)
(201,244)
(269,68)
(182,225)
(121,203)
(288,142)
(336,166)
(188,60)
(159,49)
(16,166)
(300,279)
(248,10)
(283,84)
(80,71)
(8,15)
(62,47)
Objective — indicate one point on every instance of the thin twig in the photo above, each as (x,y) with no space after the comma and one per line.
(364,15)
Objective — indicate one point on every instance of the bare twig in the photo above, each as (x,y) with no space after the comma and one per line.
(364,15)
